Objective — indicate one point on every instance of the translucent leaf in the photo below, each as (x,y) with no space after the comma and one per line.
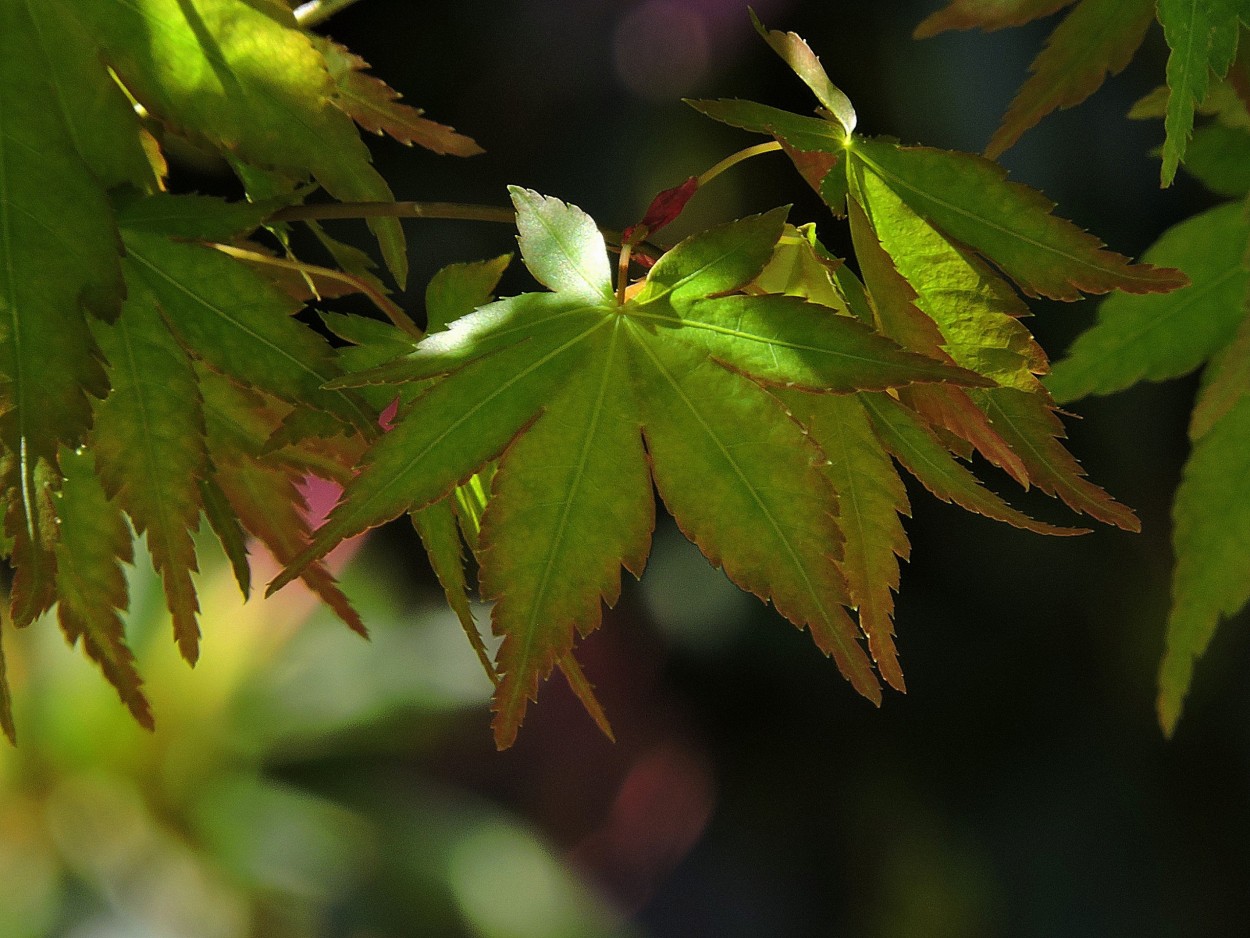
(562,247)
(870,499)
(970,200)
(799,56)
(1202,38)
(571,503)
(986,14)
(1097,38)
(151,427)
(91,586)
(1159,337)
(247,83)
(1211,538)
(376,107)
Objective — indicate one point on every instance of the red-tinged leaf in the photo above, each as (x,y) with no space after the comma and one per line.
(1029,424)
(796,53)
(375,106)
(225,524)
(436,525)
(907,438)
(1211,539)
(663,211)
(30,520)
(584,691)
(558,530)
(714,437)
(871,497)
(151,427)
(986,14)
(91,587)
(1096,39)
(952,410)
(969,200)
(260,488)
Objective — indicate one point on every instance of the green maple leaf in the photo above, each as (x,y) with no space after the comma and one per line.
(1098,38)
(1159,337)
(586,401)
(1202,37)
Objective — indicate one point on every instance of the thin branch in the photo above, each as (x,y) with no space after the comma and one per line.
(735,158)
(314,12)
(380,300)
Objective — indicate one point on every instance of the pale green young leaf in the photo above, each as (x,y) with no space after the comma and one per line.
(1096,39)
(91,586)
(1202,39)
(937,296)
(800,266)
(799,56)
(151,427)
(562,247)
(871,497)
(571,504)
(986,14)
(1211,539)
(1159,337)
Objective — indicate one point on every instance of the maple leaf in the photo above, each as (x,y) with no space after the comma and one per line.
(1099,37)
(376,107)
(586,401)
(1096,39)
(1159,337)
(1202,38)
(986,14)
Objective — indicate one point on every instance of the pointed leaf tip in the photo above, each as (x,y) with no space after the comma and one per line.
(562,247)
(796,53)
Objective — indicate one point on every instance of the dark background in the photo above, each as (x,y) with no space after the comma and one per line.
(1022,786)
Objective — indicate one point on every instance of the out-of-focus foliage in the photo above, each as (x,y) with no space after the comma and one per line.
(197,831)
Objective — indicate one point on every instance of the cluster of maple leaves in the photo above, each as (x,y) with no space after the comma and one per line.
(152,373)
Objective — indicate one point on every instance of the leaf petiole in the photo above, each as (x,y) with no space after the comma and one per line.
(734,159)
